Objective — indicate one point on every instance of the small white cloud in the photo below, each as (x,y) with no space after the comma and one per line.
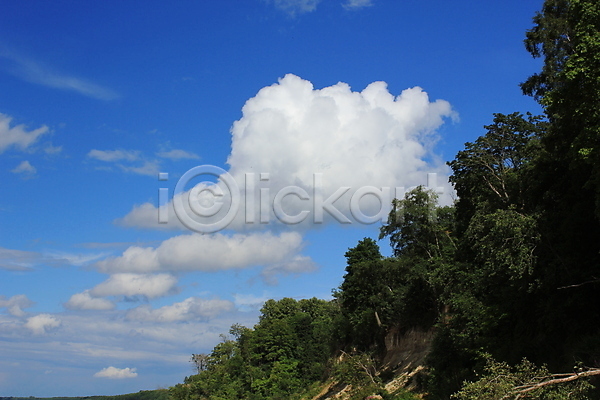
(42,323)
(249,302)
(114,155)
(177,154)
(293,7)
(192,308)
(356,4)
(16,304)
(116,373)
(297,265)
(146,285)
(51,150)
(25,169)
(17,136)
(83,301)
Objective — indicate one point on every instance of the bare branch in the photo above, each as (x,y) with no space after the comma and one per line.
(521,391)
(578,284)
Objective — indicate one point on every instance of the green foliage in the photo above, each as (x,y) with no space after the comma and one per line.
(379,293)
(359,372)
(567,35)
(503,243)
(417,228)
(286,351)
(501,382)
(366,250)
(494,171)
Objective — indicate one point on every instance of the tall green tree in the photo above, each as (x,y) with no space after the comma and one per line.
(418,228)
(494,171)
(566,35)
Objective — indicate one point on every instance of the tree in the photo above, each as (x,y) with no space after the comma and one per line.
(200,362)
(567,35)
(366,250)
(418,228)
(566,185)
(494,172)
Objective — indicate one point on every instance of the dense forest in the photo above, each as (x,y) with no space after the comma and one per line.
(502,289)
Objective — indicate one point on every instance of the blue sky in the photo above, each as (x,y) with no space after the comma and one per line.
(97,297)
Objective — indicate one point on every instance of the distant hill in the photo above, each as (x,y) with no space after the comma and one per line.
(161,394)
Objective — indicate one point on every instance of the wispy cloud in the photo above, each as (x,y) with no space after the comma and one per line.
(104,245)
(357,4)
(149,168)
(297,265)
(190,308)
(114,155)
(17,136)
(19,260)
(177,154)
(295,7)
(34,72)
(249,302)
(51,150)
(127,161)
(16,304)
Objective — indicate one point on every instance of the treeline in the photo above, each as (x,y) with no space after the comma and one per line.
(160,394)
(507,280)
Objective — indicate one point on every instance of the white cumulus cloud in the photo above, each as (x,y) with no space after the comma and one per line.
(196,252)
(42,323)
(17,136)
(332,142)
(84,301)
(192,308)
(116,373)
(127,284)
(292,131)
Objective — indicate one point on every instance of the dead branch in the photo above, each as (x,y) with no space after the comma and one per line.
(579,284)
(555,379)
